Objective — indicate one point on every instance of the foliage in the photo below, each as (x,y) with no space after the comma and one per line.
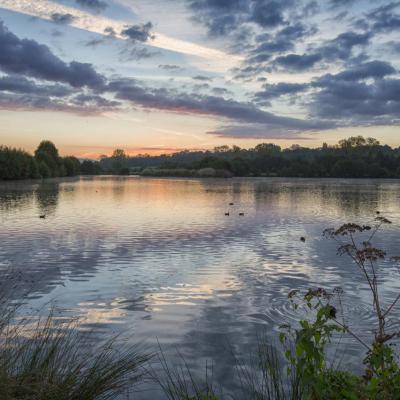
(53,360)
(18,164)
(90,168)
(355,157)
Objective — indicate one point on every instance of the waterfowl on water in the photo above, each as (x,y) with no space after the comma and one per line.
(303,239)
(42,216)
(241,214)
(231,204)
(226,213)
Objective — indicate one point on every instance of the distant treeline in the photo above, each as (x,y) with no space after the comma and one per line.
(355,157)
(45,163)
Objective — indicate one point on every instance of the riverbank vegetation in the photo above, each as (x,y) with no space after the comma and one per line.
(52,360)
(355,157)
(45,163)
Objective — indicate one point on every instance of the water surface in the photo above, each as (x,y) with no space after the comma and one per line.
(158,259)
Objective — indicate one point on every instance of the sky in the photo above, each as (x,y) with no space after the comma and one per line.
(159,76)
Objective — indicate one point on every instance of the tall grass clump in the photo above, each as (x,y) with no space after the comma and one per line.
(54,360)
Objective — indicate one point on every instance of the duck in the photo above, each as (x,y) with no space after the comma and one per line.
(226,213)
(241,214)
(231,204)
(303,239)
(43,216)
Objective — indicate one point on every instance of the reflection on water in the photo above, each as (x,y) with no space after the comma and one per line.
(158,259)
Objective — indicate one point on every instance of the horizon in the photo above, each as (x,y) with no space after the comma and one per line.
(94,75)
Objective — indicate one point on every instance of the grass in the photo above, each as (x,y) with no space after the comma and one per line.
(53,360)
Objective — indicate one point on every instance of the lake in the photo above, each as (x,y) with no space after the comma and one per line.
(159,261)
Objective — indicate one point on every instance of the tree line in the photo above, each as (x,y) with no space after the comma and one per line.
(355,157)
(45,163)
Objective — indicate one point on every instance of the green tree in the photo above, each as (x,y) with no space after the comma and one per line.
(72,166)
(47,153)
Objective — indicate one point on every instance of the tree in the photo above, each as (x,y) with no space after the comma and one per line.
(267,148)
(72,166)
(47,153)
(221,149)
(119,153)
(353,141)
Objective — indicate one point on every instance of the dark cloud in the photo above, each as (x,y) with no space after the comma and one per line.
(269,13)
(372,69)
(342,46)
(139,33)
(110,31)
(85,100)
(297,62)
(96,5)
(94,42)
(34,102)
(383,19)
(219,16)
(129,53)
(25,56)
(222,17)
(282,41)
(63,19)
(276,90)
(202,78)
(191,103)
(351,98)
(339,48)
(219,91)
(19,84)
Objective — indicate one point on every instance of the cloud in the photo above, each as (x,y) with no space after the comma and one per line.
(256,131)
(129,53)
(139,33)
(220,91)
(33,102)
(297,62)
(25,56)
(97,5)
(341,47)
(372,69)
(170,67)
(19,84)
(202,78)
(341,3)
(351,98)
(383,19)
(269,13)
(276,90)
(195,104)
(63,19)
(223,17)
(85,100)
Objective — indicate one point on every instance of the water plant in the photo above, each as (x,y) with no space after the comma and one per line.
(53,360)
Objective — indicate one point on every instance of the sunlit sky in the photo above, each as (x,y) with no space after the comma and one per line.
(157,76)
